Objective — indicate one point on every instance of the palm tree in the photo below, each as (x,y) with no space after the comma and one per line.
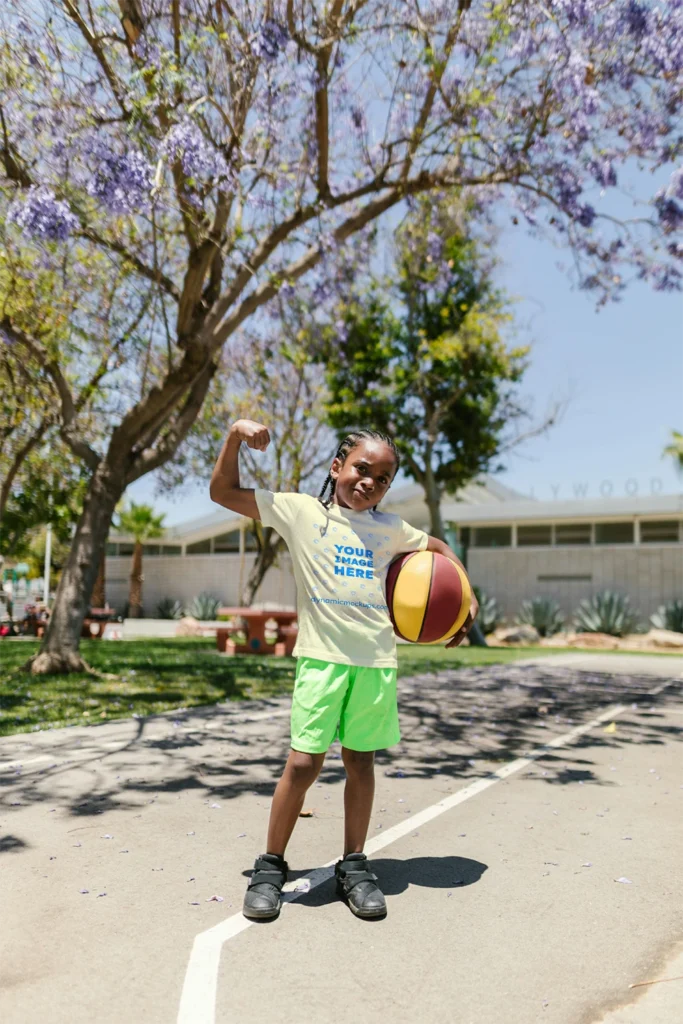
(675,449)
(139,522)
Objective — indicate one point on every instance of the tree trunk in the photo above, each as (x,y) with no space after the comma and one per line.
(59,649)
(99,594)
(271,546)
(433,499)
(136,578)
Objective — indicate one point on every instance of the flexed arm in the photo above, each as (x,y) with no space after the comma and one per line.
(225,488)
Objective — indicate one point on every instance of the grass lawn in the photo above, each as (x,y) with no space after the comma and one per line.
(160,675)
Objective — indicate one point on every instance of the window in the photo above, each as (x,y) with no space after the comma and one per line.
(170,549)
(126,549)
(573,533)
(659,531)
(112,549)
(532,536)
(465,536)
(151,549)
(227,542)
(202,547)
(614,533)
(493,537)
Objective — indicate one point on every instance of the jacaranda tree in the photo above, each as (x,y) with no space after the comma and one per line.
(219,151)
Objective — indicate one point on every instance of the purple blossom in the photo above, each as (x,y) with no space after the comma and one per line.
(669,212)
(42,216)
(270,40)
(585,215)
(636,18)
(122,182)
(199,159)
(604,172)
(675,189)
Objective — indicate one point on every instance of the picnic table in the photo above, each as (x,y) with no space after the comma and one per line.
(254,620)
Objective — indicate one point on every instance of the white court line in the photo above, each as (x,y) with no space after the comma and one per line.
(198,997)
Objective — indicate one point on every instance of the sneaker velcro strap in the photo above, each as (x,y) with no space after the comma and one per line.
(351,878)
(267,872)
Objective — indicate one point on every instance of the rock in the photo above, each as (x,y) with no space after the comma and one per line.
(189,627)
(517,635)
(664,638)
(602,641)
(557,640)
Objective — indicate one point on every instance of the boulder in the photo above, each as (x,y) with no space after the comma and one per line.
(601,641)
(665,638)
(189,627)
(516,635)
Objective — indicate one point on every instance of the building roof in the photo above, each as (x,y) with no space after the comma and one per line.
(193,530)
(484,501)
(658,505)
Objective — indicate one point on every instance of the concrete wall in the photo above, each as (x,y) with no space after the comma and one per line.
(183,578)
(648,574)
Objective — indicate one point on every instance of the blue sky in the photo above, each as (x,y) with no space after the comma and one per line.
(621,369)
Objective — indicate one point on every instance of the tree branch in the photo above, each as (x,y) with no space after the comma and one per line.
(93,43)
(149,272)
(19,459)
(77,443)
(152,458)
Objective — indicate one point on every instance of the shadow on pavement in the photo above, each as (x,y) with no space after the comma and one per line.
(396,876)
(457,724)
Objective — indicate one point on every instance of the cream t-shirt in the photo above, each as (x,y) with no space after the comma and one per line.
(340,559)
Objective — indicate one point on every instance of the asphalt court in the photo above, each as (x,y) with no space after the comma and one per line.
(479,924)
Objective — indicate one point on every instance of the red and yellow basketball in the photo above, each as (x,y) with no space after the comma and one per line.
(428,595)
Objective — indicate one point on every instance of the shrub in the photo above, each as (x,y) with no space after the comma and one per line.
(669,616)
(543,614)
(205,607)
(606,612)
(489,612)
(169,609)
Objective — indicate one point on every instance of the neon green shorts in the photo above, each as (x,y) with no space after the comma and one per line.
(354,702)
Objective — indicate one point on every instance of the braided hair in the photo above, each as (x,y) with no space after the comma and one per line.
(346,446)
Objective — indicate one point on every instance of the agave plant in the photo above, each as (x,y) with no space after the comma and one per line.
(543,614)
(669,616)
(489,612)
(169,609)
(205,607)
(606,612)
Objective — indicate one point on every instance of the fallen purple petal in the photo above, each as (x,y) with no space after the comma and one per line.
(215,899)
(84,890)
(626,881)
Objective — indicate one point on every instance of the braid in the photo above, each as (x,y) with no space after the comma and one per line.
(346,446)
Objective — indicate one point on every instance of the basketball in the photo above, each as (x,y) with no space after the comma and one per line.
(428,595)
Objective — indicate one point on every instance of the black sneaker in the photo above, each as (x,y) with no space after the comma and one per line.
(262,898)
(357,885)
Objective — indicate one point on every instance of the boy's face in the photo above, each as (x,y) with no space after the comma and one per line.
(365,477)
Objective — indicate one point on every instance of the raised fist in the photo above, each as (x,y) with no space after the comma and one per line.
(255,435)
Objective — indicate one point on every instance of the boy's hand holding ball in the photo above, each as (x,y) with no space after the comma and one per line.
(254,435)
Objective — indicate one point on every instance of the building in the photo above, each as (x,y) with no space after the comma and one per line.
(514,547)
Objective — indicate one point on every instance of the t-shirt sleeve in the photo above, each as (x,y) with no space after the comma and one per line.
(277,509)
(409,538)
